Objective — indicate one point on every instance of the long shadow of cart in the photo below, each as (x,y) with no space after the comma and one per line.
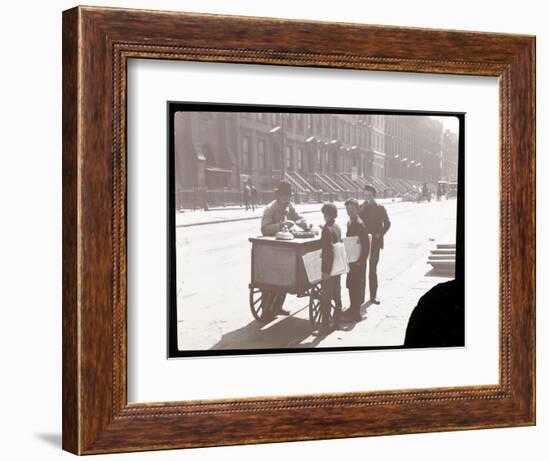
(289,332)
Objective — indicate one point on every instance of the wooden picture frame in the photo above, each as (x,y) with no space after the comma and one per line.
(97,43)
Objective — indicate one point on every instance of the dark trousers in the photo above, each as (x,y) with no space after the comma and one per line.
(355,282)
(330,291)
(373,263)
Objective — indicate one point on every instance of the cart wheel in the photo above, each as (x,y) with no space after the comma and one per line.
(258,302)
(263,304)
(316,316)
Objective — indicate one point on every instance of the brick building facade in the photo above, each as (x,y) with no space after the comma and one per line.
(320,154)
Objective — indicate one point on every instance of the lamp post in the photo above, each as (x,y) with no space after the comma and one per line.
(333,159)
(310,141)
(281,129)
(356,163)
(404,172)
(395,166)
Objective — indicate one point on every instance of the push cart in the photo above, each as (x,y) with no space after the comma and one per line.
(277,270)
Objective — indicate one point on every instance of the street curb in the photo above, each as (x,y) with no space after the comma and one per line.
(250,218)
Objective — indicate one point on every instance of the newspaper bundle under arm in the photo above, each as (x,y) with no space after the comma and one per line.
(353,248)
(312,263)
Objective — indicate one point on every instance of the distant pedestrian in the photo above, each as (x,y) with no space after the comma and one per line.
(246,196)
(356,278)
(426,192)
(254,196)
(375,218)
(330,285)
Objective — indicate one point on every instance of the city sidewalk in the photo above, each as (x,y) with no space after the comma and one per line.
(188,218)
(386,324)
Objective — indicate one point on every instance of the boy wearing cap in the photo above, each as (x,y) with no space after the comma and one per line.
(330,285)
(356,278)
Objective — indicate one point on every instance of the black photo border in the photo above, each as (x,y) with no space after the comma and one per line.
(192,106)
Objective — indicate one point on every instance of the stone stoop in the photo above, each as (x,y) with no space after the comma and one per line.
(443,258)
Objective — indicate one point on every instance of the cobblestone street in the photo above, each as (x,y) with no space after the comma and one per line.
(213,263)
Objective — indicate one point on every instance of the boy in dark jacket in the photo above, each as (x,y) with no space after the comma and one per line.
(356,278)
(330,285)
(375,217)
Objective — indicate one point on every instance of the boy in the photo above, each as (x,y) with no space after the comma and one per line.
(356,278)
(330,286)
(375,217)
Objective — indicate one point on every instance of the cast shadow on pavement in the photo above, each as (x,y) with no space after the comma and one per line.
(287,333)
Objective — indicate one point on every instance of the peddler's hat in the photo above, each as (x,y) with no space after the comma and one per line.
(284,188)
(369,188)
(352,201)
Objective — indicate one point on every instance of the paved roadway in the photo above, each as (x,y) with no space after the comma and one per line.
(213,263)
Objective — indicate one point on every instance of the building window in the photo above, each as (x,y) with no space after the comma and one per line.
(300,122)
(289,118)
(245,160)
(276,159)
(300,159)
(288,157)
(318,123)
(318,161)
(210,160)
(261,154)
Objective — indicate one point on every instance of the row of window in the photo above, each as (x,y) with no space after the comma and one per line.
(349,130)
(261,159)
(319,158)
(246,156)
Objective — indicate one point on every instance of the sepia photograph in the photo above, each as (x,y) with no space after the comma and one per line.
(281,229)
(307,229)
